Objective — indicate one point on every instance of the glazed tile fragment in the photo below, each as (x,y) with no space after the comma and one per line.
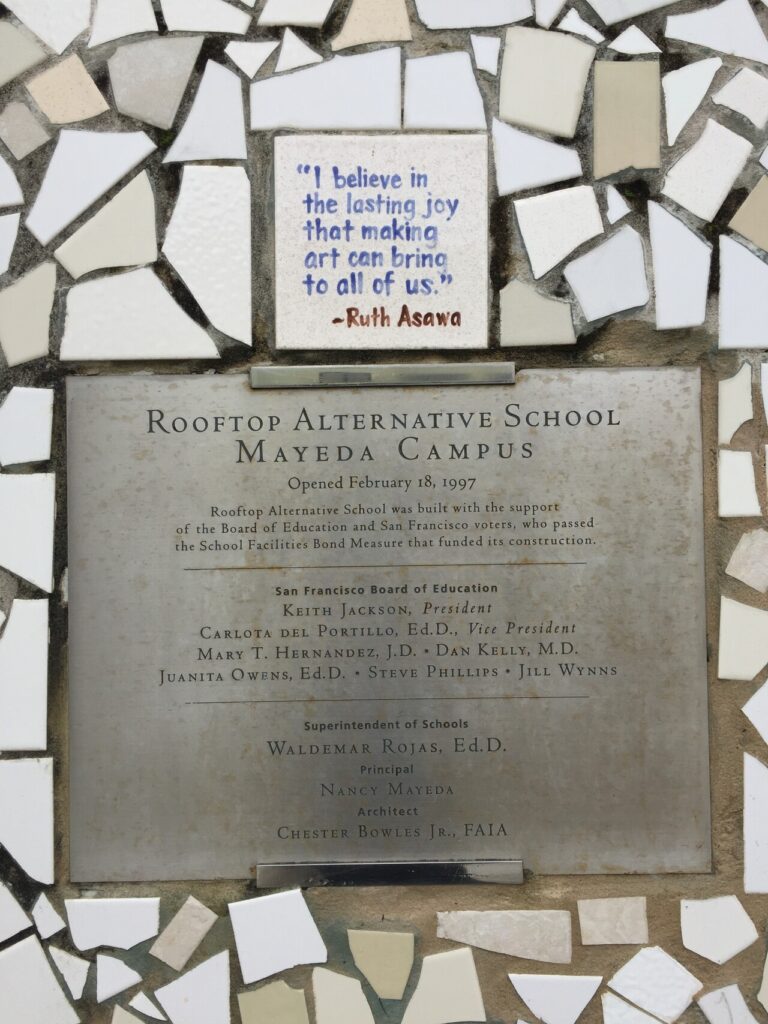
(9,230)
(144,1005)
(743,297)
(27,507)
(294,53)
(633,41)
(737,493)
(681,265)
(276,1003)
(543,78)
(749,565)
(734,403)
(555,998)
(726,1006)
(113,977)
(181,937)
(728,27)
(614,921)
(702,178)
(19,52)
(273,933)
(684,89)
(756,827)
(251,56)
(116,19)
(657,983)
(56,23)
(374,21)
(31,993)
(215,125)
(448,990)
(149,79)
(26,816)
(338,999)
(751,219)
(10,190)
(130,316)
(201,996)
(627,116)
(547,11)
(385,958)
(121,1016)
(26,418)
(20,130)
(747,94)
(12,918)
(487,50)
(119,923)
(25,314)
(48,920)
(717,929)
(307,13)
(24,678)
(573,22)
(529,318)
(441,92)
(616,205)
(73,969)
(526,161)
(612,11)
(543,935)
(554,224)
(83,167)
(616,1011)
(611,277)
(204,16)
(743,640)
(437,14)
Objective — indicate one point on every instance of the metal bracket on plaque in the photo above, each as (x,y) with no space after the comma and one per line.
(494,872)
(380,376)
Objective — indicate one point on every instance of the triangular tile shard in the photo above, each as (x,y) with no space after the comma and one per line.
(633,41)
(529,318)
(274,933)
(543,935)
(547,11)
(24,678)
(734,403)
(737,492)
(440,14)
(26,421)
(616,206)
(614,921)
(726,1006)
(525,161)
(743,639)
(554,224)
(73,969)
(681,266)
(183,934)
(555,998)
(113,977)
(47,919)
(611,277)
(305,13)
(751,219)
(743,297)
(26,815)
(215,126)
(374,21)
(31,993)
(612,11)
(339,999)
(717,929)
(19,52)
(120,923)
(149,79)
(574,23)
(25,315)
(116,19)
(144,1005)
(56,23)
(201,996)
(27,509)
(755,826)
(385,958)
(295,53)
(448,990)
(204,16)
(441,92)
(749,565)
(728,27)
(684,89)
(276,1002)
(250,57)
(12,918)
(702,178)
(657,983)
(616,1011)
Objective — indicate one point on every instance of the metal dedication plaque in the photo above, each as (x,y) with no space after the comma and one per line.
(429,624)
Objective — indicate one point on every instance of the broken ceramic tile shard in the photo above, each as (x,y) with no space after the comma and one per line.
(73,969)
(374,21)
(26,814)
(612,11)
(113,977)
(201,996)
(555,998)
(276,1002)
(656,982)
(525,161)
(436,14)
(487,50)
(10,190)
(338,999)
(627,116)
(116,19)
(18,52)
(633,41)
(56,23)
(119,923)
(613,921)
(743,297)
(751,219)
(702,178)
(616,207)
(529,318)
(121,1016)
(273,933)
(616,1011)
(734,403)
(130,316)
(573,22)
(529,934)
(215,125)
(83,167)
(294,53)
(26,419)
(543,78)
(743,640)
(717,929)
(9,230)
(25,314)
(250,57)
(448,989)
(684,89)
(749,565)
(20,130)
(24,677)
(611,277)
(737,492)
(681,265)
(204,16)
(729,27)
(359,91)
(554,224)
(726,1006)
(762,995)
(66,93)
(144,1005)
(183,934)
(149,79)
(547,11)
(47,919)
(441,92)
(27,506)
(12,918)
(385,958)
(31,993)
(756,825)
(747,94)
(305,13)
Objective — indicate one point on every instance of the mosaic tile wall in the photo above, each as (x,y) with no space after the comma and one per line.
(629,225)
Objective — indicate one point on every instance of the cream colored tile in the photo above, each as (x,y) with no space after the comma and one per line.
(19,51)
(276,1003)
(338,999)
(385,958)
(25,314)
(183,934)
(751,218)
(614,921)
(66,92)
(374,21)
(448,990)
(529,318)
(627,113)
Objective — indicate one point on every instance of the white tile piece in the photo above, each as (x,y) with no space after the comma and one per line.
(612,11)
(611,277)
(556,998)
(48,920)
(614,921)
(737,493)
(204,16)
(448,990)
(681,265)
(338,998)
(121,1016)
(616,205)
(113,977)
(743,640)
(734,403)
(181,937)
(728,27)
(749,565)
(25,312)
(119,923)
(26,815)
(717,929)
(487,50)
(726,1006)
(26,420)
(250,57)
(215,125)
(12,918)
(526,161)
(19,51)
(633,41)
(747,94)
(31,993)
(274,933)
(73,969)
(9,230)
(295,53)
(307,13)
(764,386)
(56,23)
(10,190)
(743,297)
(543,935)
(149,78)
(437,14)
(656,982)
(27,506)
(24,678)
(374,21)
(547,11)
(115,19)
(201,996)
(441,92)
(755,822)
(616,1011)
(573,22)
(83,167)
(144,1005)
(555,224)
(702,178)
(358,91)
(684,89)
(130,316)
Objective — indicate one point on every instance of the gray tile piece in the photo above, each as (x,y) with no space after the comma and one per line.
(20,130)
(19,52)
(149,78)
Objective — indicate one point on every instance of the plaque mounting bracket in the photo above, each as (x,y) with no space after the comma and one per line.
(382,375)
(494,872)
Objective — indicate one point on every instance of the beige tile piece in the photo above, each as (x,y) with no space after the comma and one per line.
(374,21)
(385,958)
(276,1003)
(627,129)
(543,935)
(19,52)
(749,561)
(20,130)
(529,318)
(751,218)
(66,93)
(448,990)
(183,935)
(543,78)
(613,922)
(339,999)
(25,315)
